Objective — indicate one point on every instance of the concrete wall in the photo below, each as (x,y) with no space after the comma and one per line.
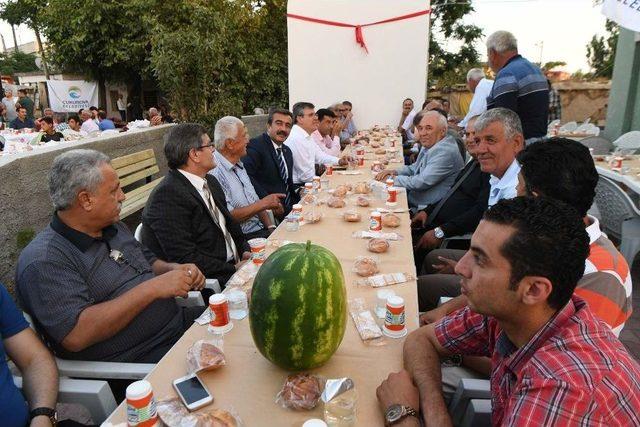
(256,124)
(25,207)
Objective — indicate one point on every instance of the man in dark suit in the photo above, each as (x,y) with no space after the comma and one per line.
(459,211)
(269,162)
(186,216)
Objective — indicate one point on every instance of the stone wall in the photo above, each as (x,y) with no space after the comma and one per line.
(25,207)
(255,124)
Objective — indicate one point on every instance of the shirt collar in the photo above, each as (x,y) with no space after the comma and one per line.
(513,58)
(508,178)
(297,130)
(224,162)
(593,229)
(516,358)
(195,180)
(79,239)
(275,146)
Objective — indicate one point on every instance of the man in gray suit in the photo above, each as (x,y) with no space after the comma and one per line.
(434,171)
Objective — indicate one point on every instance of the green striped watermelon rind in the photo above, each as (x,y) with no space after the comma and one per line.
(298,317)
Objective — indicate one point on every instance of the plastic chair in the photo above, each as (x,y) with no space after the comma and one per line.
(477,414)
(447,241)
(620,218)
(94,395)
(628,141)
(599,144)
(468,389)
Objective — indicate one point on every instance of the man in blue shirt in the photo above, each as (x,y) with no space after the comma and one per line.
(519,86)
(22,122)
(39,372)
(105,123)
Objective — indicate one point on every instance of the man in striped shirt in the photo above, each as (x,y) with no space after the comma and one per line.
(553,363)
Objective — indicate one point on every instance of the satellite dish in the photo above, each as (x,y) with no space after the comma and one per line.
(39,63)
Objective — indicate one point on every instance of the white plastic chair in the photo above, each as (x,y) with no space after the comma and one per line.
(628,141)
(447,241)
(619,217)
(469,390)
(599,144)
(94,395)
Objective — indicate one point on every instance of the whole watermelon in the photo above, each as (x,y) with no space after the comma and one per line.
(298,309)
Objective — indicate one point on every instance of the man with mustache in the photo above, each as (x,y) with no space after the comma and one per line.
(93,291)
(269,162)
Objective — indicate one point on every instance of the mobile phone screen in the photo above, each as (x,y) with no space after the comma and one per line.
(192,390)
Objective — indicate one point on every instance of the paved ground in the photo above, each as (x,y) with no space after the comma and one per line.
(630,335)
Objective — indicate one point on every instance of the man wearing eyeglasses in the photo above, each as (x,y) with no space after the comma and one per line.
(94,292)
(349,129)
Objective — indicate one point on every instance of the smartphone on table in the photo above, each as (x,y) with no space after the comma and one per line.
(192,392)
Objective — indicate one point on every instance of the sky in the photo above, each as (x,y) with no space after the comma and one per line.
(563,26)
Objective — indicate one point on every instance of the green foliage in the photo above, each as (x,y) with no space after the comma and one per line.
(552,64)
(23,238)
(226,58)
(17,62)
(601,51)
(448,68)
(103,39)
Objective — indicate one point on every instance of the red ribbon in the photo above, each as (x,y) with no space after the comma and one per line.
(358,28)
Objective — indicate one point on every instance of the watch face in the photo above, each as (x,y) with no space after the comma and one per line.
(394,413)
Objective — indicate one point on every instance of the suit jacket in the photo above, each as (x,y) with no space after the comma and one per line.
(462,211)
(177,226)
(261,163)
(432,175)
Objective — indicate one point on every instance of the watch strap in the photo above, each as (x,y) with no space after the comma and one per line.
(44,411)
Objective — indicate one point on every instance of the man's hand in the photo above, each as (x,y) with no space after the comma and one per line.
(398,389)
(428,241)
(40,421)
(419,220)
(344,160)
(175,283)
(447,267)
(279,211)
(432,316)
(337,128)
(272,201)
(196,275)
(381,176)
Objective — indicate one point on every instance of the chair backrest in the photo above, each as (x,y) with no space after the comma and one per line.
(599,144)
(614,205)
(629,141)
(138,233)
(134,167)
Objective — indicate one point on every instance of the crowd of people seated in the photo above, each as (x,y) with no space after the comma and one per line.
(537,299)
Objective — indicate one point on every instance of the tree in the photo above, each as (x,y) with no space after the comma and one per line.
(27,12)
(227,57)
(601,51)
(13,15)
(101,39)
(17,62)
(552,64)
(447,68)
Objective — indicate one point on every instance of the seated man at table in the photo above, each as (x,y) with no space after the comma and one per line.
(563,169)
(37,368)
(105,123)
(50,133)
(430,177)
(246,208)
(323,135)
(552,361)
(459,211)
(93,291)
(269,161)
(186,217)
(88,123)
(349,129)
(405,126)
(22,121)
(306,153)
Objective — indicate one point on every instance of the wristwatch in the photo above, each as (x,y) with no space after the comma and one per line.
(398,412)
(50,413)
(438,233)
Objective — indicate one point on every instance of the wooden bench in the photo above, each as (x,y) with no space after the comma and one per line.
(132,169)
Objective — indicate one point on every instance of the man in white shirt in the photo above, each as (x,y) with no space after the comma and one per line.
(122,107)
(323,135)
(306,153)
(10,105)
(406,120)
(481,88)
(88,124)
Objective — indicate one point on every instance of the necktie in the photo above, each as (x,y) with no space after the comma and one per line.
(217,217)
(283,175)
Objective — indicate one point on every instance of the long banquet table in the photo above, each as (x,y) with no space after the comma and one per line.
(248,383)
(631,167)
